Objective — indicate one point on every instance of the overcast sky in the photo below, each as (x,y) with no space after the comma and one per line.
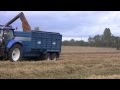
(71,24)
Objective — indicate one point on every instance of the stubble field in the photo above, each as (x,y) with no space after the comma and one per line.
(74,63)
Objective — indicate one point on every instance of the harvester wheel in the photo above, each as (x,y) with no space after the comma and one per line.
(15,53)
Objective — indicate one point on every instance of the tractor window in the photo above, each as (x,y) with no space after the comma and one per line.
(8,34)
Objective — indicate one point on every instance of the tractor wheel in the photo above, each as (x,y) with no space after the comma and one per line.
(15,53)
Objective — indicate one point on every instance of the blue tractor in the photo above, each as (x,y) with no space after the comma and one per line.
(15,45)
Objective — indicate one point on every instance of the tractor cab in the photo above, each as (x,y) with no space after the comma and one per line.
(8,47)
(6,34)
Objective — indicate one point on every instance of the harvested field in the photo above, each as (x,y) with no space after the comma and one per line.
(74,63)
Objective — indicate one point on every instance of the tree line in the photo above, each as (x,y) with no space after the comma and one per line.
(104,40)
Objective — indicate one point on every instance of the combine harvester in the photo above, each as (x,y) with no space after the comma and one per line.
(15,45)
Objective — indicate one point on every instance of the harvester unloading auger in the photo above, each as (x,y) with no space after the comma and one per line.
(25,25)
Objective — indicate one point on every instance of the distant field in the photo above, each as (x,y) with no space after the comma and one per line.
(78,49)
(74,63)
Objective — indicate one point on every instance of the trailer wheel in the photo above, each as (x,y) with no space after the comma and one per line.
(1,58)
(54,56)
(15,53)
(117,48)
(48,57)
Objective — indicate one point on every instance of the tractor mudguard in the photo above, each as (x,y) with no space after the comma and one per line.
(11,43)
